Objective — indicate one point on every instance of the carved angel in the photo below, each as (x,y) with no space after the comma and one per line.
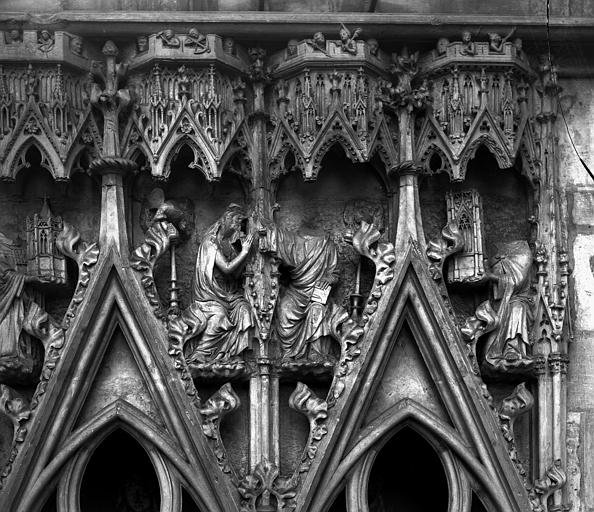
(348,40)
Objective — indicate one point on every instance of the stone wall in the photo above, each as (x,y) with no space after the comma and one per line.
(577,190)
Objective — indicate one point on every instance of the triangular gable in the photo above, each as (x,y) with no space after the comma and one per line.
(53,434)
(412,302)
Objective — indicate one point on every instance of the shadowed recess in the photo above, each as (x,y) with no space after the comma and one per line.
(120,477)
(401,473)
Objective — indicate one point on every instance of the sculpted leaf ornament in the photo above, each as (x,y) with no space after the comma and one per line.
(265,487)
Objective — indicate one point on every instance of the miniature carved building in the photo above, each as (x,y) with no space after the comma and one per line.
(43,258)
(319,261)
(465,210)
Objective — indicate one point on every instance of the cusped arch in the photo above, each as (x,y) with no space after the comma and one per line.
(117,415)
(446,162)
(349,147)
(203,160)
(16,159)
(495,148)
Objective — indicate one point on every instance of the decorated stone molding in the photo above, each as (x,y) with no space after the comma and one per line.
(85,255)
(200,107)
(479,98)
(321,103)
(46,107)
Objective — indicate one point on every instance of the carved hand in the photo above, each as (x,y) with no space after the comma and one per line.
(247,244)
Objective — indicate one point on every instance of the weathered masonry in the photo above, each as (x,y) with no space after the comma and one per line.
(259,258)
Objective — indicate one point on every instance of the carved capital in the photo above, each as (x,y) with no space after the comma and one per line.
(112,165)
(558,363)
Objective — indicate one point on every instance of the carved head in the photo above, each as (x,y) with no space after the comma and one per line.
(373,46)
(466,36)
(168,34)
(344,34)
(518,43)
(494,37)
(76,45)
(229,46)
(141,44)
(442,45)
(44,35)
(193,33)
(292,48)
(231,222)
(319,39)
(13,36)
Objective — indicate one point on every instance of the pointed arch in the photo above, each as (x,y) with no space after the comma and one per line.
(501,155)
(202,161)
(81,444)
(339,138)
(16,159)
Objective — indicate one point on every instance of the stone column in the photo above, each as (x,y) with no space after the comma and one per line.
(262,289)
(410,225)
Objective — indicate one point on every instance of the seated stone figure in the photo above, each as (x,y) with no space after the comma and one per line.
(219,317)
(305,318)
(20,356)
(506,318)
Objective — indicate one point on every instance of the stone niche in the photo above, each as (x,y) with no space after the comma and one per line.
(343,194)
(76,200)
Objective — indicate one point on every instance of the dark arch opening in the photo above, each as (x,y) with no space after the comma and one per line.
(477,504)
(188,504)
(51,504)
(120,477)
(339,504)
(408,476)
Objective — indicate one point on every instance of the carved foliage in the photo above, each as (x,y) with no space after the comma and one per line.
(305,401)
(224,401)
(266,488)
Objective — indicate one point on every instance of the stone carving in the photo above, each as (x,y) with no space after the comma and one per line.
(109,95)
(318,43)
(142,44)
(45,41)
(518,403)
(554,478)
(258,72)
(438,250)
(265,489)
(220,320)
(13,36)
(292,48)
(17,409)
(305,401)
(224,401)
(197,41)
(70,244)
(168,226)
(465,210)
(169,39)
(20,316)
(468,45)
(305,317)
(496,42)
(348,39)
(509,316)
(366,242)
(76,45)
(442,46)
(373,46)
(229,46)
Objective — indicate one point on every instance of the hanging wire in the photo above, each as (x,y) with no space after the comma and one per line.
(558,98)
